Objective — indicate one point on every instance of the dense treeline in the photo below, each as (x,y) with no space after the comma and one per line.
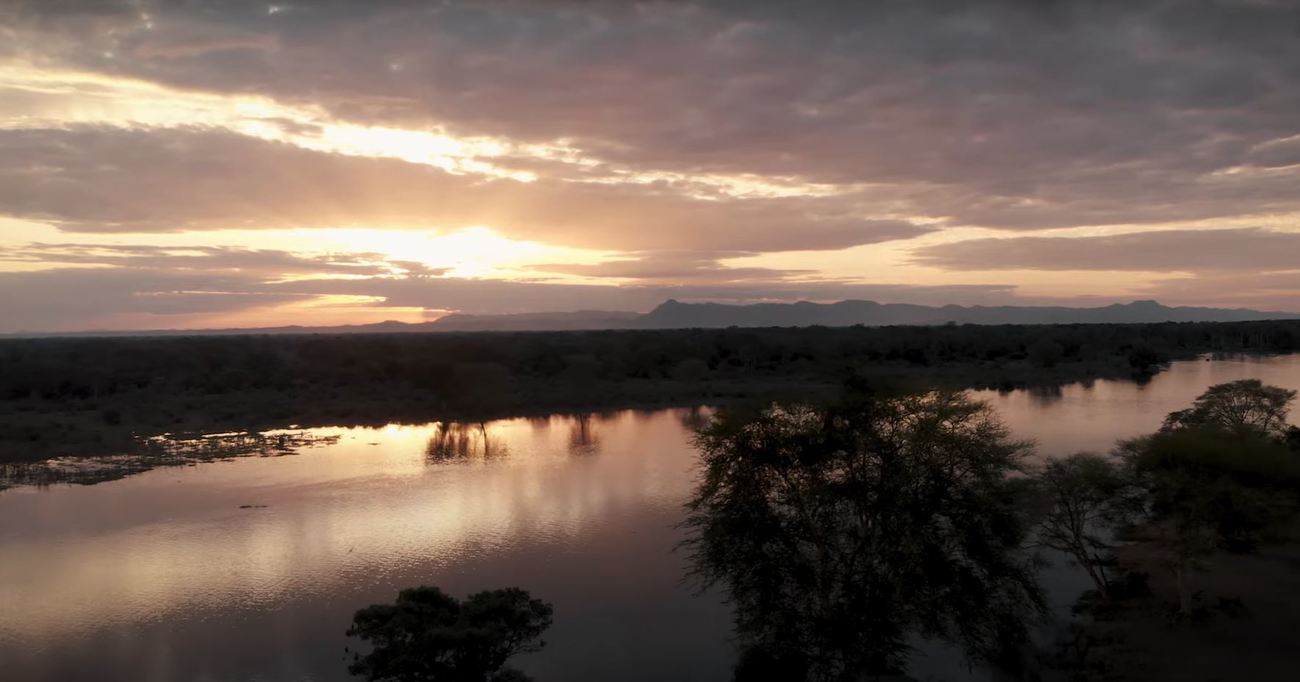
(59,392)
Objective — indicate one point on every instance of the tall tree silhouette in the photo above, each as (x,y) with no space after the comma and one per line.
(840,531)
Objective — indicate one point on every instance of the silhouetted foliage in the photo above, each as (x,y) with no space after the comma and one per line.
(1242,407)
(840,530)
(1083,498)
(428,636)
(1046,353)
(88,394)
(1216,475)
(1144,360)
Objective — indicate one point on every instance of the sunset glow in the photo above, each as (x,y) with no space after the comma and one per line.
(316,164)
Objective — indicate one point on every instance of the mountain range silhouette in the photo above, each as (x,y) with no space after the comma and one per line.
(674,314)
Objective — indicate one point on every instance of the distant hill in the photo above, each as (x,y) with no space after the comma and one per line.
(674,314)
(582,319)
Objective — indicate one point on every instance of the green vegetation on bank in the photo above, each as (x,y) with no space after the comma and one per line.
(78,396)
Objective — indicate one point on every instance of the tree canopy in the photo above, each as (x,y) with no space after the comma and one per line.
(429,636)
(840,531)
(1216,475)
(1082,498)
(1240,407)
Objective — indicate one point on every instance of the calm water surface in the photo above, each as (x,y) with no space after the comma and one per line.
(250,569)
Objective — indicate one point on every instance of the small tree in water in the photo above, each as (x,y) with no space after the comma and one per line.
(1083,498)
(841,531)
(428,636)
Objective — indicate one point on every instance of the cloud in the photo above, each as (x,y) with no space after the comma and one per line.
(263,262)
(500,296)
(674,136)
(1247,249)
(149,287)
(676,266)
(1003,114)
(67,299)
(95,179)
(1264,291)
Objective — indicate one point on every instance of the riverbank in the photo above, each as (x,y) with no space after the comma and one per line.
(1247,611)
(80,397)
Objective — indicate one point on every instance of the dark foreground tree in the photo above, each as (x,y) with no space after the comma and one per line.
(1082,499)
(841,531)
(428,636)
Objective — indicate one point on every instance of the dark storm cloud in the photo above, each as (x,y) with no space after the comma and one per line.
(1247,249)
(120,180)
(1007,114)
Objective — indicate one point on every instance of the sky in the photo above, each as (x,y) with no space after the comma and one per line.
(208,163)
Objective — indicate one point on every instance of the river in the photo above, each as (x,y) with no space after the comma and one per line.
(250,568)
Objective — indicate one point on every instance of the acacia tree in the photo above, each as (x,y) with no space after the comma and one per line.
(1238,407)
(840,531)
(429,636)
(1215,474)
(1084,498)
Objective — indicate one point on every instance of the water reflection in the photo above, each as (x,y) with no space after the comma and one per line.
(1092,416)
(582,436)
(162,575)
(1046,396)
(148,577)
(159,451)
(460,441)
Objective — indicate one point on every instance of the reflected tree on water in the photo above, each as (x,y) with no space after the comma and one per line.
(459,441)
(841,532)
(1046,395)
(694,418)
(583,439)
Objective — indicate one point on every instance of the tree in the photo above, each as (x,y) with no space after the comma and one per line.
(1144,360)
(839,531)
(1239,407)
(429,636)
(1178,505)
(1084,498)
(1045,353)
(1215,475)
